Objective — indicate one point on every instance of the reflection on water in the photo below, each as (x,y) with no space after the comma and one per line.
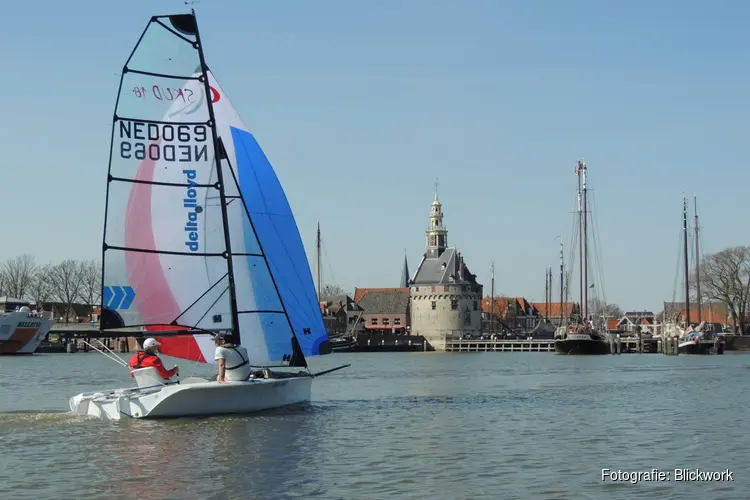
(495,425)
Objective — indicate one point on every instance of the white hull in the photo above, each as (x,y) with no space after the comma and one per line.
(194,397)
(688,343)
(21,333)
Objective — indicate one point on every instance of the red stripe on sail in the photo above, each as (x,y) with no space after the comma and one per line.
(154,298)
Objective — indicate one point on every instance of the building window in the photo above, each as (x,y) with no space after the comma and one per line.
(467,317)
(475,305)
(397,321)
(374,321)
(454,304)
(434,305)
(385,321)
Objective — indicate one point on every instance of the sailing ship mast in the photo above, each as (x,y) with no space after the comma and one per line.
(687,278)
(583,237)
(546,294)
(317,258)
(697,260)
(492,299)
(562,281)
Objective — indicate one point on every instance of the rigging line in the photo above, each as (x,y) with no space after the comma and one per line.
(201,298)
(573,252)
(599,267)
(212,306)
(301,309)
(678,270)
(703,253)
(597,251)
(328,261)
(286,306)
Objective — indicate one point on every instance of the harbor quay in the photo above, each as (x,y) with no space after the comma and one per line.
(617,346)
(73,338)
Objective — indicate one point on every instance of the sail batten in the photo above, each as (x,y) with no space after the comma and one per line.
(199,236)
(164,75)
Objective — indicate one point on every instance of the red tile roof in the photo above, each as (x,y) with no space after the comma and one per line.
(499,305)
(707,315)
(555,308)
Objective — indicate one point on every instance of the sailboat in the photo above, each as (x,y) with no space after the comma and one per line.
(583,337)
(199,238)
(693,340)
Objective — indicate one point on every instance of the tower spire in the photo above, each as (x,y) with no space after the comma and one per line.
(437,183)
(405,272)
(437,235)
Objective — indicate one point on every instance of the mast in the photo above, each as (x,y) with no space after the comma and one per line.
(219,154)
(687,278)
(546,293)
(562,281)
(697,260)
(580,244)
(585,264)
(492,299)
(317,258)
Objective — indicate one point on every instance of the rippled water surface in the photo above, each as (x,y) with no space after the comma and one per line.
(407,425)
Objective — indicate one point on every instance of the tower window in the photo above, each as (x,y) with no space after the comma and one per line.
(475,305)
(434,305)
(454,304)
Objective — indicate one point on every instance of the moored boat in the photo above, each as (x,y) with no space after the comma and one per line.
(21,329)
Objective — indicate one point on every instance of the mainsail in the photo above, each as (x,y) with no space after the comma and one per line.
(199,236)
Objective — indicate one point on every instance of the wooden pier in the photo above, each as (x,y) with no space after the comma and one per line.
(618,345)
(546,345)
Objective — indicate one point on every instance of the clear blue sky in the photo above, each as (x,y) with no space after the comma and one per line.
(360,105)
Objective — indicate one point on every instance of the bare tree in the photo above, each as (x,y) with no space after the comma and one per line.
(598,308)
(2,282)
(91,284)
(18,274)
(725,276)
(40,288)
(331,290)
(66,283)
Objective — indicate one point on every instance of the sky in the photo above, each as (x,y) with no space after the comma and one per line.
(360,106)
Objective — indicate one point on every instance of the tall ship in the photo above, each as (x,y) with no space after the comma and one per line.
(21,328)
(587,334)
(696,338)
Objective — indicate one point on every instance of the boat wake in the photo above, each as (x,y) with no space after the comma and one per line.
(44,419)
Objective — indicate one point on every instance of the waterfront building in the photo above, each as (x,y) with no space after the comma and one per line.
(341,315)
(444,295)
(386,310)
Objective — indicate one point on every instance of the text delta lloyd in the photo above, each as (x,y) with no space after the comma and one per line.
(190,202)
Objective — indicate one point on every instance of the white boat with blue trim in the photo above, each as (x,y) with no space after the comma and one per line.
(199,232)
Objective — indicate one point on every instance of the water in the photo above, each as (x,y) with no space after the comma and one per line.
(406,425)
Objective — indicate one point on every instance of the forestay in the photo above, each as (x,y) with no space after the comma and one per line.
(168,258)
